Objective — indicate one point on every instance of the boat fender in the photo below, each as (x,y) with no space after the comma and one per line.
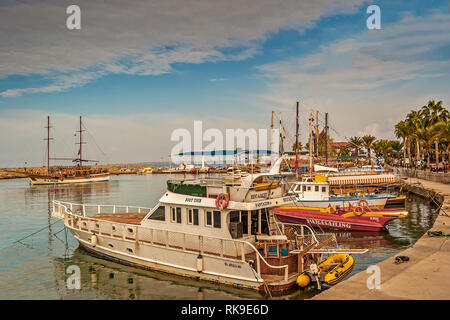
(303,280)
(93,240)
(199,263)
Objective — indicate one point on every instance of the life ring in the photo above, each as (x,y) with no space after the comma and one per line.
(363,203)
(222,201)
(359,210)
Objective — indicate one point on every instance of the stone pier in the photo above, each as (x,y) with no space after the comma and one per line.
(427,273)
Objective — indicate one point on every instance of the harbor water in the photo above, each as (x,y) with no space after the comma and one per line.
(36,251)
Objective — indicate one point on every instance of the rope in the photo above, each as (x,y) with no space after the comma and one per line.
(32,234)
(437,234)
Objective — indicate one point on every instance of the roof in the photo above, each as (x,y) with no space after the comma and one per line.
(340,145)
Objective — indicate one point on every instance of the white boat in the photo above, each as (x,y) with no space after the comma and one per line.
(309,193)
(204,229)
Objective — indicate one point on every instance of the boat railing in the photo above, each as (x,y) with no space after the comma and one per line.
(74,216)
(308,236)
(59,207)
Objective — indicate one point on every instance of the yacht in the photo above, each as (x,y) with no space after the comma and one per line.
(207,229)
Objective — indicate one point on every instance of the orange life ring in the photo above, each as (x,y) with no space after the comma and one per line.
(363,203)
(222,201)
(358,211)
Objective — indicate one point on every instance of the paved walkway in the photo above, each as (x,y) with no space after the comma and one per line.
(425,276)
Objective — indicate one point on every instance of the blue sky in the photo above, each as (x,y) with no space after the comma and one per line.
(138,72)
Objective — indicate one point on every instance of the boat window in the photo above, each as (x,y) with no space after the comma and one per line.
(234,216)
(195,217)
(159,214)
(189,216)
(254,222)
(172,218)
(178,215)
(309,188)
(244,219)
(316,188)
(304,188)
(217,221)
(324,189)
(208,218)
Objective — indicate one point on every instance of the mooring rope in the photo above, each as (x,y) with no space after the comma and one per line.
(32,234)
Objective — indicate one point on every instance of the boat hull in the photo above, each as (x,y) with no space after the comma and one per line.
(177,262)
(332,221)
(69,180)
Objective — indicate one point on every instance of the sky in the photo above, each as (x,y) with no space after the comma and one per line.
(138,70)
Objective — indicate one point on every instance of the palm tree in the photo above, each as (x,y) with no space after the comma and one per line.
(367,143)
(397,146)
(426,137)
(402,130)
(356,142)
(432,113)
(413,121)
(441,130)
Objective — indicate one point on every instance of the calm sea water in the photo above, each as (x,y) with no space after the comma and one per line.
(35,267)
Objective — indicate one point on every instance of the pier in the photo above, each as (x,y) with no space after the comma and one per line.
(424,276)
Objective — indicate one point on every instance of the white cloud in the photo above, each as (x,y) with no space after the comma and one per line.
(369,78)
(139,37)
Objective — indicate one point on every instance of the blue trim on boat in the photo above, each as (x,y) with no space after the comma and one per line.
(106,255)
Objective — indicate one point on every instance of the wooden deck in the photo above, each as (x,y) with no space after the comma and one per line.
(129,218)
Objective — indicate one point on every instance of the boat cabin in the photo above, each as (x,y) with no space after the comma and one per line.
(307,189)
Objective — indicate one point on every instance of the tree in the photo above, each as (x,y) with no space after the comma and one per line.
(368,141)
(356,142)
(344,152)
(413,121)
(403,131)
(433,113)
(397,146)
(441,130)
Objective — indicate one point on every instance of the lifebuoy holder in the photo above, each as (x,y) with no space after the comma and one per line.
(222,201)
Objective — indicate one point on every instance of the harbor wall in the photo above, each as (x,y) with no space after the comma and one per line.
(424,276)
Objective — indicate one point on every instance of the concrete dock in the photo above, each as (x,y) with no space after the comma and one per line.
(426,276)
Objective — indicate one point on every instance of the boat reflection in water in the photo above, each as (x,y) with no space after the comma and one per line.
(361,239)
(102,279)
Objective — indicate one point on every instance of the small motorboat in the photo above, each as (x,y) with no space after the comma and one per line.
(330,271)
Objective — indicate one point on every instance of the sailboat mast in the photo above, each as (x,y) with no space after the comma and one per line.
(310,142)
(81,146)
(48,144)
(296,142)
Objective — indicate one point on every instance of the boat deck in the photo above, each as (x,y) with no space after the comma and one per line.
(125,217)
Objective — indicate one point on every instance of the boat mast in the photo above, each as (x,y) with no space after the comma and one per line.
(310,142)
(317,135)
(326,138)
(80,152)
(296,142)
(48,143)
